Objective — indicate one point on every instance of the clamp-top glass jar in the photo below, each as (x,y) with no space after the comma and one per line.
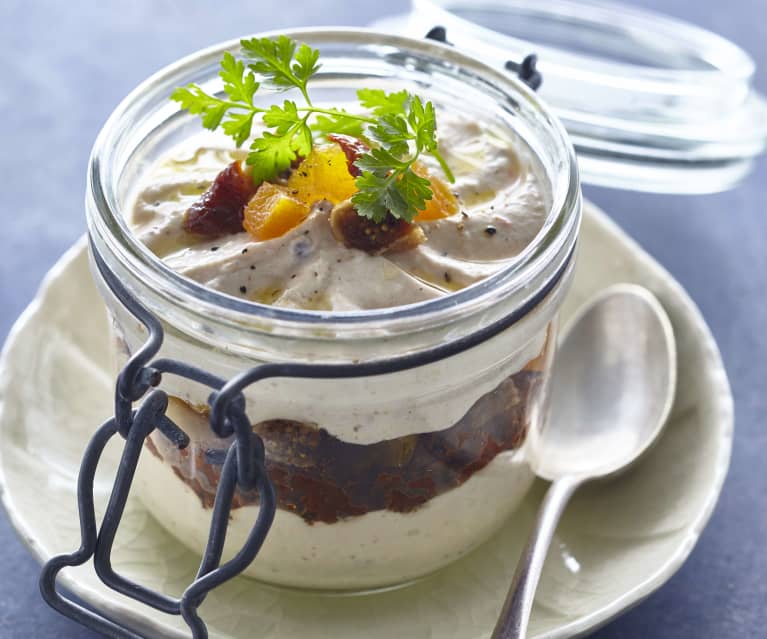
(380,478)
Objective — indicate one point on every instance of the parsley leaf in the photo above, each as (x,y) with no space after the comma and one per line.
(388,179)
(379,161)
(273,59)
(210,108)
(373,196)
(400,194)
(239,86)
(278,61)
(392,133)
(423,122)
(339,123)
(415,189)
(379,103)
(238,126)
(282,117)
(269,155)
(306,64)
(274,152)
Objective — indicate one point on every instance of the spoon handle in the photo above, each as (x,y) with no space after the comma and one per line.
(515,615)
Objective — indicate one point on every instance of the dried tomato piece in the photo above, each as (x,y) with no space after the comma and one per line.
(352,148)
(219,210)
(390,236)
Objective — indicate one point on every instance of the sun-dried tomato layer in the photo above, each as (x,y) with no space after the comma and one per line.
(323,479)
(219,211)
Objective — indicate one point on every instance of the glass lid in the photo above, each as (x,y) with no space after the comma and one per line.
(651,103)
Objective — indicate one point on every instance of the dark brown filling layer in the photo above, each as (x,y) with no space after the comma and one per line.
(322,478)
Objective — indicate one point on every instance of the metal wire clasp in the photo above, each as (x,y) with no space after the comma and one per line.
(244,466)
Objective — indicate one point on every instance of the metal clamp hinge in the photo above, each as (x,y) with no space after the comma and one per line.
(525,70)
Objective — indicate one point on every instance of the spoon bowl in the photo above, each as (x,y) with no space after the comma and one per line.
(612,388)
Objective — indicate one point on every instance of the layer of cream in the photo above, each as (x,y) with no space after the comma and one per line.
(366,410)
(504,205)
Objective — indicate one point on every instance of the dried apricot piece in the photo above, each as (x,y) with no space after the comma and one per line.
(272,212)
(442,203)
(323,175)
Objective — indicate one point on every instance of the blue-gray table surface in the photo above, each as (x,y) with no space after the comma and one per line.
(65,65)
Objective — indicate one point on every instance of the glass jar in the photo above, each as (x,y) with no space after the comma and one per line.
(380,479)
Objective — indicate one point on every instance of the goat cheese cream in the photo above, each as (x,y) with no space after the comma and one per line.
(502,205)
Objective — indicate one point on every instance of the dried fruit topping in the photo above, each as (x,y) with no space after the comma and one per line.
(442,203)
(323,175)
(352,147)
(219,210)
(390,236)
(272,212)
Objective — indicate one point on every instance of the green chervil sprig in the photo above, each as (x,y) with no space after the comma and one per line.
(400,126)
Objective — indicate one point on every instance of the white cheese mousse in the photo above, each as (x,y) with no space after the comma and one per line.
(503,205)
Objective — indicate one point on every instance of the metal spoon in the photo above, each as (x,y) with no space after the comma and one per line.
(612,391)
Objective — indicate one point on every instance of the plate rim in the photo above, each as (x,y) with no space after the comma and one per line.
(126,611)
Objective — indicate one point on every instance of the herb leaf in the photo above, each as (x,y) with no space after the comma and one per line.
(238,85)
(387,176)
(415,189)
(196,101)
(423,121)
(374,196)
(397,194)
(269,155)
(282,117)
(338,123)
(238,126)
(306,64)
(274,152)
(379,161)
(279,63)
(273,59)
(379,103)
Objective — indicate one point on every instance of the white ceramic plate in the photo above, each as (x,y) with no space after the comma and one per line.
(617,543)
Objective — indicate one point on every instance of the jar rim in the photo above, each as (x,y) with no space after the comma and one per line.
(109,229)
